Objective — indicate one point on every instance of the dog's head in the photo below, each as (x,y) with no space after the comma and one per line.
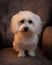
(26,21)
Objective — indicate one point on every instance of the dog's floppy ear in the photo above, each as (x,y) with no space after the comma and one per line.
(14,25)
(38,25)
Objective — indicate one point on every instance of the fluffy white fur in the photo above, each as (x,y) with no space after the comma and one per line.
(25,40)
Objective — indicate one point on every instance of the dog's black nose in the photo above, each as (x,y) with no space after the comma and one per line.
(25,28)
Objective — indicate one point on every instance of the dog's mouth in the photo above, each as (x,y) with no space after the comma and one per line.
(26,32)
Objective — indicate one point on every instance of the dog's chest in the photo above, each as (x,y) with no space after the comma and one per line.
(26,40)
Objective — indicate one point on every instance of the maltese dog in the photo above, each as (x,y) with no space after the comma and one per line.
(26,27)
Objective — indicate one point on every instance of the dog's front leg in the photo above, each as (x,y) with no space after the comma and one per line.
(31,50)
(18,48)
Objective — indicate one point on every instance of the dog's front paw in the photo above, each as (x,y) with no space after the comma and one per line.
(21,54)
(31,53)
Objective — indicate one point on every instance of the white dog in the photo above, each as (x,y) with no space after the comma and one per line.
(26,27)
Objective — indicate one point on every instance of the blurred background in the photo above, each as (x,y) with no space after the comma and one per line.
(8,8)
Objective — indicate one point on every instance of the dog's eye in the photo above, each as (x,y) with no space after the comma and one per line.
(22,21)
(30,22)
